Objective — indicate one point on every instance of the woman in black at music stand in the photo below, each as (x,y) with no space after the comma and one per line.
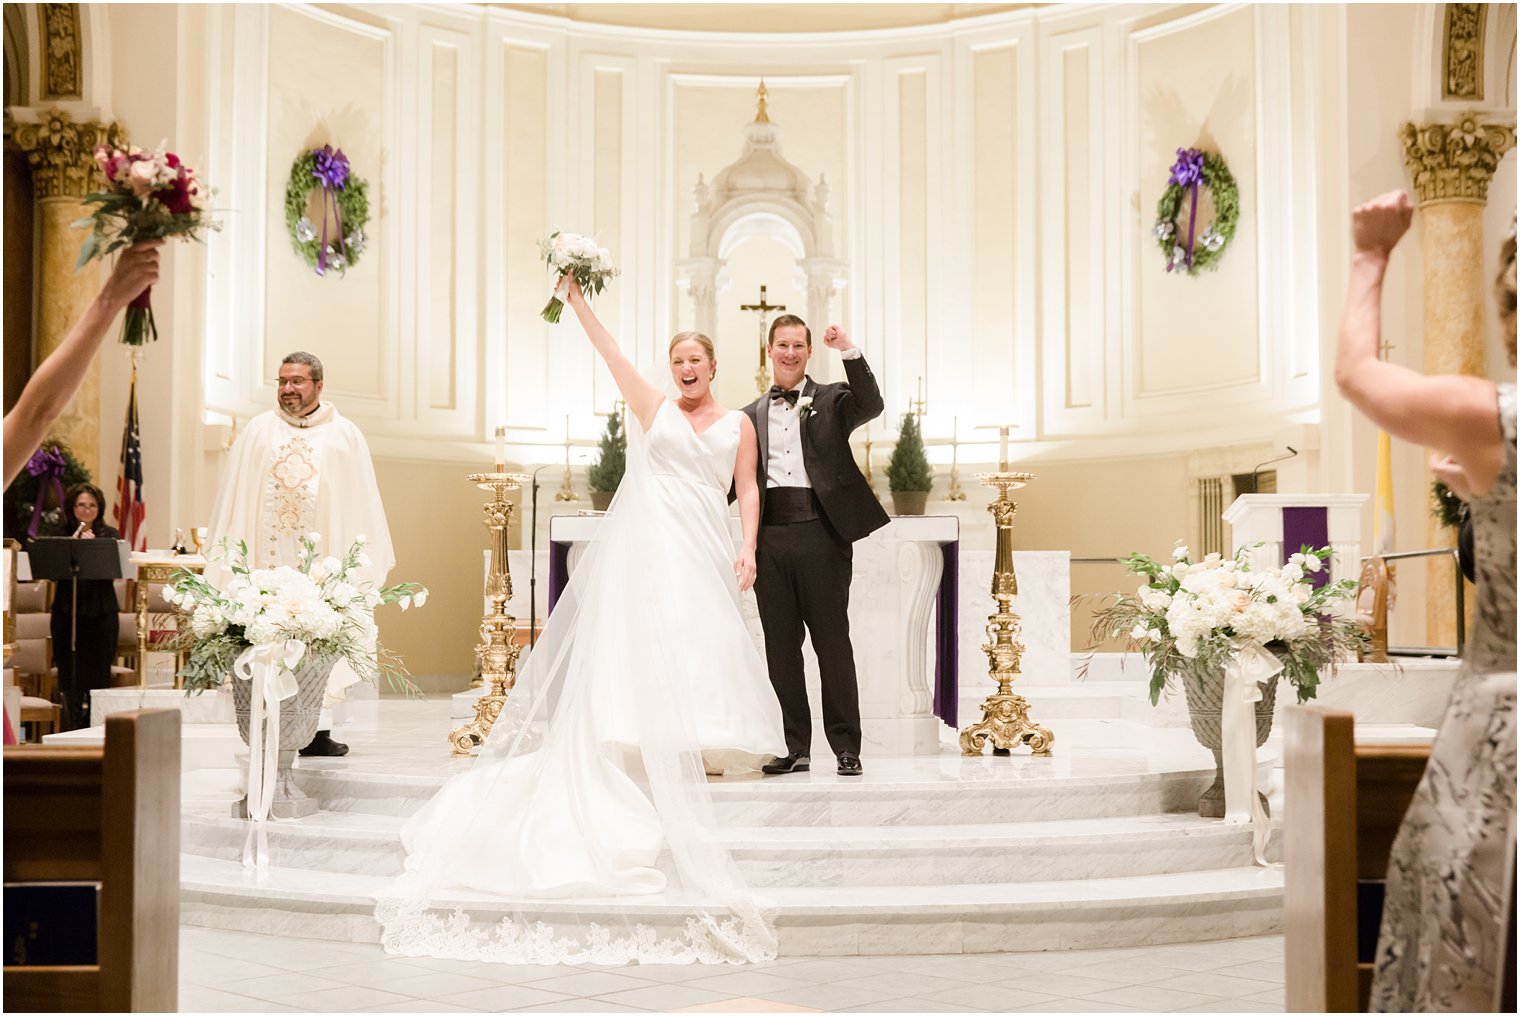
(99,621)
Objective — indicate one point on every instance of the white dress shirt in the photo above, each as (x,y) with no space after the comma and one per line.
(783,459)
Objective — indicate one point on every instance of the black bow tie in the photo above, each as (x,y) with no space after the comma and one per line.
(790,396)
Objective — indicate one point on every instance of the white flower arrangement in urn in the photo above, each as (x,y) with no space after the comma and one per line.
(1192,618)
(315,605)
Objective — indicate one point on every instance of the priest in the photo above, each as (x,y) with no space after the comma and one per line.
(302,468)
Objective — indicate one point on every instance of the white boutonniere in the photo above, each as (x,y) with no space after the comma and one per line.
(804,407)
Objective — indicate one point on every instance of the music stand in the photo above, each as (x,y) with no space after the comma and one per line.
(64,559)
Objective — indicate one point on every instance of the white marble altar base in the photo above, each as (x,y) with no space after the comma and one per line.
(893,588)
(1044,609)
(211,706)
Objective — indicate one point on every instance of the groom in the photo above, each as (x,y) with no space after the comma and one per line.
(813,505)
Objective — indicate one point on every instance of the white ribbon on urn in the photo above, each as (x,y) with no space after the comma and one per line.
(271,669)
(1251,666)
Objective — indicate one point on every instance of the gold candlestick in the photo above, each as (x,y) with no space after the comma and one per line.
(955,493)
(498,653)
(1005,716)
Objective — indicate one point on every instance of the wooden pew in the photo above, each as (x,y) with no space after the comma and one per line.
(110,816)
(1344,803)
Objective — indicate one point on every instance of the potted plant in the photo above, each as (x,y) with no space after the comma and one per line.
(606,472)
(908,472)
(278,632)
(1190,621)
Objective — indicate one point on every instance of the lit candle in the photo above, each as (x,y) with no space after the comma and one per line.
(1002,449)
(501,447)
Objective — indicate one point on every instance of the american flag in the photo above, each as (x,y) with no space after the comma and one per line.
(131,509)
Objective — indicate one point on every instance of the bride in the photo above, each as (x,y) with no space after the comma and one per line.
(590,798)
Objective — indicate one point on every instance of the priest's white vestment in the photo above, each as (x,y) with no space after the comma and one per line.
(288,476)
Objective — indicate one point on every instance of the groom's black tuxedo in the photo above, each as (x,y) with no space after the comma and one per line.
(838,409)
(803,556)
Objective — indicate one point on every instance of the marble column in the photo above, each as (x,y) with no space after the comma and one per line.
(698,276)
(61,154)
(1451,166)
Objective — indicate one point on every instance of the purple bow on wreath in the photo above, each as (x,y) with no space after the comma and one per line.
(331,170)
(1188,173)
(48,466)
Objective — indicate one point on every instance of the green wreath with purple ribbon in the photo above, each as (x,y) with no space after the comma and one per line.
(340,241)
(1187,248)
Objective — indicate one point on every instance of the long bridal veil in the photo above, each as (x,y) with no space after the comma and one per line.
(585,831)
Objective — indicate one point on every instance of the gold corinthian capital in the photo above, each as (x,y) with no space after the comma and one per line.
(62,153)
(1454,162)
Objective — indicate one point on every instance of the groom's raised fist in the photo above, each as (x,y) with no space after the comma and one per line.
(835,338)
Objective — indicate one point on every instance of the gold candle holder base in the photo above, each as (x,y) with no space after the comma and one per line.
(1005,716)
(498,653)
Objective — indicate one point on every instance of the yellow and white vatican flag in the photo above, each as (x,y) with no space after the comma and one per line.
(271,670)
(1251,666)
(1382,514)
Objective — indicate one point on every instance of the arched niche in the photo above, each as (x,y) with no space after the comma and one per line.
(760,194)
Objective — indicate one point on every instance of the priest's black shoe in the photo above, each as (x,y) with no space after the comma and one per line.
(849,765)
(323,744)
(788,764)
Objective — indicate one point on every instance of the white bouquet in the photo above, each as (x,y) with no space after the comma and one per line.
(573,255)
(316,604)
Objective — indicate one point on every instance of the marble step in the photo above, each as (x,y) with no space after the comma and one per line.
(944,790)
(356,843)
(815,920)
(202,745)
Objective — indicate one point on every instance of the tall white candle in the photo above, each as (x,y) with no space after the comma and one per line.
(501,447)
(1003,449)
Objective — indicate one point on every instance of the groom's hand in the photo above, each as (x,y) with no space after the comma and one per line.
(835,338)
(744,569)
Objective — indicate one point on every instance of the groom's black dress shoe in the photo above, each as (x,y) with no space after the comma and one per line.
(788,764)
(323,744)
(849,765)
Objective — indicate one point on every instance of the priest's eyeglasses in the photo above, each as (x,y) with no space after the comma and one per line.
(291,382)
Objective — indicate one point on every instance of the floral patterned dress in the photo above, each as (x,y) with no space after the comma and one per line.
(1451,871)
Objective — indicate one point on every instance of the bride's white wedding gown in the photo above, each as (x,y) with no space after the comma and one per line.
(592,784)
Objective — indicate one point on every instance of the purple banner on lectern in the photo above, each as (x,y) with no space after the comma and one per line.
(1307,527)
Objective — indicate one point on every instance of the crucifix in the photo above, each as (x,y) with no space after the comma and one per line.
(763,375)
(918,407)
(955,493)
(566,490)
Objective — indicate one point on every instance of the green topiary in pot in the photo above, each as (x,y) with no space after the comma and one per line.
(909,474)
(606,472)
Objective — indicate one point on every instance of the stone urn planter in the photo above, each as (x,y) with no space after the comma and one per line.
(1205,696)
(909,502)
(298,725)
(601,499)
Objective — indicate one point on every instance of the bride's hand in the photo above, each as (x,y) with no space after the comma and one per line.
(744,569)
(573,294)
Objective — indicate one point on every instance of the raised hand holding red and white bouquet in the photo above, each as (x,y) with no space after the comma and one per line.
(148,196)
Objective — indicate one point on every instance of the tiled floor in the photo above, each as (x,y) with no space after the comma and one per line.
(228,971)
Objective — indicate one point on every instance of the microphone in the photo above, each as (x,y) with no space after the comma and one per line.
(1255,473)
(533,557)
